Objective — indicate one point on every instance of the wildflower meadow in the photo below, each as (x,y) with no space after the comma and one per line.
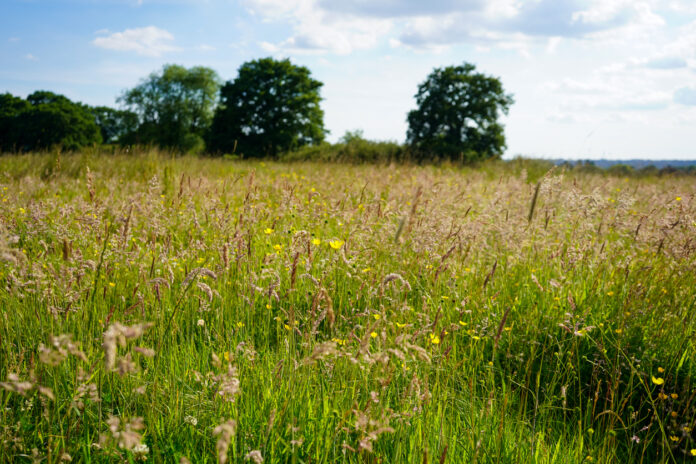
(182,309)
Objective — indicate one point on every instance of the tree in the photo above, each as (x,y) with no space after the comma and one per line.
(272,106)
(116,126)
(45,120)
(175,106)
(457,115)
(10,108)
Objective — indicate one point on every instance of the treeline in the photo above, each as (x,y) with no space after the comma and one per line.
(626,170)
(271,108)
(46,120)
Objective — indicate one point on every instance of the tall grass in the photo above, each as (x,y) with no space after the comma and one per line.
(200,310)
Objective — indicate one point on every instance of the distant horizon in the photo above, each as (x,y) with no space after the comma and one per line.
(603,158)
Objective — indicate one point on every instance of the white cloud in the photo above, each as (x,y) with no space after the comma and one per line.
(13,39)
(566,118)
(664,63)
(277,9)
(146,41)
(603,11)
(31,57)
(316,30)
(685,96)
(625,92)
(552,44)
(341,27)
(685,44)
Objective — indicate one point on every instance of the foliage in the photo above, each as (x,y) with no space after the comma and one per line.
(174,107)
(351,148)
(10,108)
(457,115)
(116,126)
(45,120)
(272,106)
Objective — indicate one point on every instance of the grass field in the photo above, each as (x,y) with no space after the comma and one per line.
(200,310)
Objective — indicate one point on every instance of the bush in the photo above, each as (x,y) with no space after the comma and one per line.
(351,148)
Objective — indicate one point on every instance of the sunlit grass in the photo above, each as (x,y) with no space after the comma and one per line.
(158,308)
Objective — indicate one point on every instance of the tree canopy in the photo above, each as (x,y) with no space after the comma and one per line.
(45,120)
(116,126)
(271,106)
(457,115)
(175,106)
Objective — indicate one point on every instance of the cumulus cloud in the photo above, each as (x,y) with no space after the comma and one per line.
(145,41)
(685,44)
(685,96)
(666,62)
(645,102)
(319,30)
(399,8)
(344,26)
(565,118)
(600,92)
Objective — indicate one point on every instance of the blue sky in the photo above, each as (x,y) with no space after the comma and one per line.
(591,78)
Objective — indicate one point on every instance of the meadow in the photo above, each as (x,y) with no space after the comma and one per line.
(198,310)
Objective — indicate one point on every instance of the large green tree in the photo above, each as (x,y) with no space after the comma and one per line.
(272,106)
(457,115)
(45,120)
(10,108)
(174,106)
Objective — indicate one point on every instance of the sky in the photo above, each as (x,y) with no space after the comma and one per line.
(590,78)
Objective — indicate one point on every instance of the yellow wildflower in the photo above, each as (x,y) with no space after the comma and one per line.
(336,244)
